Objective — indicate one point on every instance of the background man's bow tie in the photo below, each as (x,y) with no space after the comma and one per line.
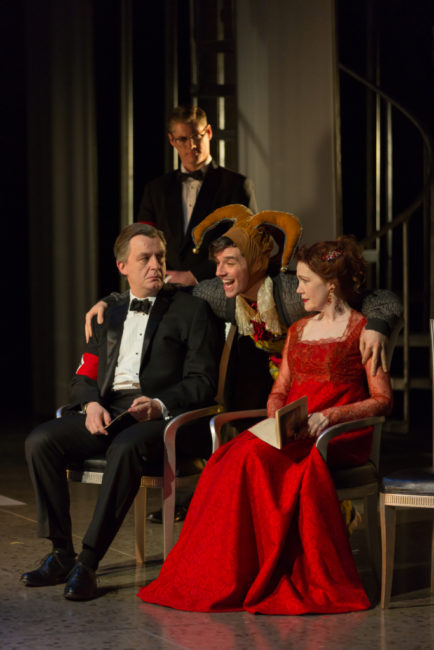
(141,305)
(197,175)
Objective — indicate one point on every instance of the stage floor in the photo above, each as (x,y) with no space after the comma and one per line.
(40,618)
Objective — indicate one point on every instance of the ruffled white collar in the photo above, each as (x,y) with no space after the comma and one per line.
(266,312)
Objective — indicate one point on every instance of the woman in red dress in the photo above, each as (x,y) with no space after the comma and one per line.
(264,532)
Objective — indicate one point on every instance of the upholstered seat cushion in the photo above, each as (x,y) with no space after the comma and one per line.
(410,481)
(89,465)
(354,476)
(184,466)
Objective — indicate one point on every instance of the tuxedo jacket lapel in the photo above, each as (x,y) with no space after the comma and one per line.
(157,312)
(114,335)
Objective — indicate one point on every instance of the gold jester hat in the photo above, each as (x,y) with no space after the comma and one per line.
(254,234)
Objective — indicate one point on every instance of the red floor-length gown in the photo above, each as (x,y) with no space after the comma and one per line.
(264,531)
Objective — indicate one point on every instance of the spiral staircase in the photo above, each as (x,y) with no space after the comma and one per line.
(397,229)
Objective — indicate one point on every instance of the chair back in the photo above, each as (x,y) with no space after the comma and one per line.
(336,429)
(224,363)
(431,331)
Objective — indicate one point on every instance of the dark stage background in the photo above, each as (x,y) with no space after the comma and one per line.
(407,55)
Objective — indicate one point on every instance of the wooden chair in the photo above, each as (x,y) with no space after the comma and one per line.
(402,490)
(175,474)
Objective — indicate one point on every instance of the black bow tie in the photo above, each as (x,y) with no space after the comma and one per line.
(141,305)
(197,175)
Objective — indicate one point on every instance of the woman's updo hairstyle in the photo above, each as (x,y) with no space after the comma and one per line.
(338,261)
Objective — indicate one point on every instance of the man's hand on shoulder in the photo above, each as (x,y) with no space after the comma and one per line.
(186,278)
(97,417)
(374,344)
(98,311)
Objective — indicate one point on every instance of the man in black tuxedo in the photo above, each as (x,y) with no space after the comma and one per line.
(155,355)
(176,202)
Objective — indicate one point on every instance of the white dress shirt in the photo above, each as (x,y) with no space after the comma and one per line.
(190,190)
(127,371)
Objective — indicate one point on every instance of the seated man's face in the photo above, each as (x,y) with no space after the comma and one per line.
(145,268)
(233,271)
(191,140)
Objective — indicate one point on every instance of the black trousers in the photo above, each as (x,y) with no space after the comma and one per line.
(56,443)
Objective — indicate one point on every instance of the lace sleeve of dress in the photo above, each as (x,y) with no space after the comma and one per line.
(379,402)
(280,389)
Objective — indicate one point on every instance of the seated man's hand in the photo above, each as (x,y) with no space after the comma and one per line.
(186,278)
(144,409)
(374,344)
(96,418)
(98,311)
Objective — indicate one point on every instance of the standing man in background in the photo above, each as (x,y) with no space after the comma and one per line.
(176,202)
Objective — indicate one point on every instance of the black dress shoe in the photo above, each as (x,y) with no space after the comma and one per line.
(157,516)
(81,584)
(53,570)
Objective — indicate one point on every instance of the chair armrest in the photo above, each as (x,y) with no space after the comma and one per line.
(59,411)
(172,428)
(219,420)
(337,429)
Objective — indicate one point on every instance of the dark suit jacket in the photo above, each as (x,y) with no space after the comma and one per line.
(161,206)
(180,354)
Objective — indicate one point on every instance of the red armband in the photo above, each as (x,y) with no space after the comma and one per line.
(88,366)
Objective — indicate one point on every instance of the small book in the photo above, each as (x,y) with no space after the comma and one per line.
(121,421)
(288,423)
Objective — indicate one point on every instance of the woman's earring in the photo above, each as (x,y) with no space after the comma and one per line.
(330,296)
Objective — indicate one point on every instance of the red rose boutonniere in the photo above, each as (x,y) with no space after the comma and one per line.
(260,333)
